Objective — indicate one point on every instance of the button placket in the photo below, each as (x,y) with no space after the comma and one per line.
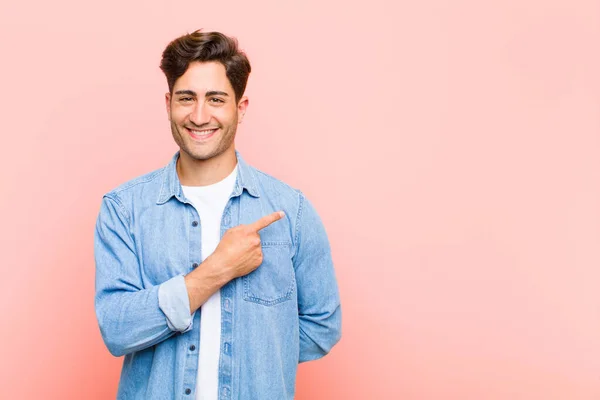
(227,305)
(192,338)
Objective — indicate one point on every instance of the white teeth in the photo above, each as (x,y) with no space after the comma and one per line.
(203,133)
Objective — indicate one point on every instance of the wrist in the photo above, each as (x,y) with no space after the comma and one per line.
(216,270)
(205,280)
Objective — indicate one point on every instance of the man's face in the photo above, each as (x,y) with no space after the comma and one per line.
(203,111)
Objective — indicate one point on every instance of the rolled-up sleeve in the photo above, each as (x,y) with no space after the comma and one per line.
(319,307)
(174,302)
(131,317)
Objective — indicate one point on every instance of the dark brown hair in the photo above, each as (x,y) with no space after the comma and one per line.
(206,46)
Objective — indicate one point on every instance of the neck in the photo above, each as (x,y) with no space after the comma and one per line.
(194,172)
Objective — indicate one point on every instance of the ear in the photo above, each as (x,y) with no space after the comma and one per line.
(242,107)
(168,104)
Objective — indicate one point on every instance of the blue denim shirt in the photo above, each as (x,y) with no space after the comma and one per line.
(285,312)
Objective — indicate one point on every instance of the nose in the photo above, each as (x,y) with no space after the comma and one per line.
(200,114)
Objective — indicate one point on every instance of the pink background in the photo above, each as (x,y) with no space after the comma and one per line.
(452,149)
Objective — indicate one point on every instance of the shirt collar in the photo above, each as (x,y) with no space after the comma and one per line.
(171,186)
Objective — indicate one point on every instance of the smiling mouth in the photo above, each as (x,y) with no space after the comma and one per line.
(201,134)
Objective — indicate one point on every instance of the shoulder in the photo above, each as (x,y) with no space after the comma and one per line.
(270,185)
(146,186)
(292,200)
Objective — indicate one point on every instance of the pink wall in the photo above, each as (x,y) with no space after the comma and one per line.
(451,147)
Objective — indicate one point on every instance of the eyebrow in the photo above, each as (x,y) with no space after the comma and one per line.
(216,93)
(208,94)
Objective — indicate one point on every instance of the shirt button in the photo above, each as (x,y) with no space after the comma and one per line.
(192,347)
(194,265)
(188,391)
(195,223)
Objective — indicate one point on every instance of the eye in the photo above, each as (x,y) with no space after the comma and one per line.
(216,100)
(185,99)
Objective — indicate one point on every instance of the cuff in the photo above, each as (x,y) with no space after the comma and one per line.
(174,302)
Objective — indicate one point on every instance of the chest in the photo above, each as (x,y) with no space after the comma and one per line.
(174,238)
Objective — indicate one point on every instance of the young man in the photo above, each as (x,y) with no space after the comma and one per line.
(212,278)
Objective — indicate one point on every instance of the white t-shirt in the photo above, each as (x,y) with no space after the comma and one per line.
(210,202)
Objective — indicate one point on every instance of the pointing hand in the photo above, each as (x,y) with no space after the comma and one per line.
(240,250)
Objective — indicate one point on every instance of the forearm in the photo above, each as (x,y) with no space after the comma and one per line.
(319,333)
(205,280)
(131,320)
(134,320)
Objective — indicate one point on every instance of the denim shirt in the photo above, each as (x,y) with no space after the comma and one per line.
(285,312)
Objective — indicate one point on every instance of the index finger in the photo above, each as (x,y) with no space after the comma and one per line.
(267,220)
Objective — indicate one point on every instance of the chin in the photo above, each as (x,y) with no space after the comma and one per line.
(203,156)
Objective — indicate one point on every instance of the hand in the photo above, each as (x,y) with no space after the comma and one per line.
(240,250)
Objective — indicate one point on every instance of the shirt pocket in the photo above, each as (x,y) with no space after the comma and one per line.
(273,282)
